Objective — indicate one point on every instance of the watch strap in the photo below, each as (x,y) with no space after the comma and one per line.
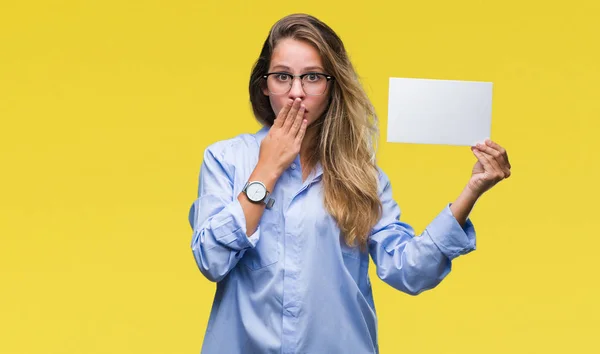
(269,201)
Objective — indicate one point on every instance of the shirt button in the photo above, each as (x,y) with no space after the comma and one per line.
(293,166)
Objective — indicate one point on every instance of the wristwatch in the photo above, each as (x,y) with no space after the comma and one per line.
(257,192)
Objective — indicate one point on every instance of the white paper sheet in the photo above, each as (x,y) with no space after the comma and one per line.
(428,111)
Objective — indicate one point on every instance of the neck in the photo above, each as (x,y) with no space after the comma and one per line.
(308,142)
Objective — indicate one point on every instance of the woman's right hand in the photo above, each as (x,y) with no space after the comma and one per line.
(282,144)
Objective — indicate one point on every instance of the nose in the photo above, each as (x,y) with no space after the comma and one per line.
(296,91)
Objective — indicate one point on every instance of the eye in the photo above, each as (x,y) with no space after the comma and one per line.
(312,77)
(282,77)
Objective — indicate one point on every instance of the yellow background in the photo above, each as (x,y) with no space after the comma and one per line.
(106,108)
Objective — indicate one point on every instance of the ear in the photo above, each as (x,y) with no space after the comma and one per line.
(264,88)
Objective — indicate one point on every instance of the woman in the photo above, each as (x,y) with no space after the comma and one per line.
(286,218)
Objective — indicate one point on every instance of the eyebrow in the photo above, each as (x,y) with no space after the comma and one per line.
(283,67)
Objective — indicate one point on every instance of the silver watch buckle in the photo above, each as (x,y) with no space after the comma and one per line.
(270,203)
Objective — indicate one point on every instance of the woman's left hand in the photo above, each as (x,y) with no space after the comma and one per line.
(491,167)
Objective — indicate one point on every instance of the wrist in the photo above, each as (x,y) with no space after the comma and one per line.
(463,205)
(266,174)
(469,195)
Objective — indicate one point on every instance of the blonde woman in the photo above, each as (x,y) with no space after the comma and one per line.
(286,218)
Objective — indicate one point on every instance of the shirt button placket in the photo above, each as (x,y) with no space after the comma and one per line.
(291,268)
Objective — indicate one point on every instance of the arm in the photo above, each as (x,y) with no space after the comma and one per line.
(415,264)
(253,212)
(410,263)
(224,227)
(463,205)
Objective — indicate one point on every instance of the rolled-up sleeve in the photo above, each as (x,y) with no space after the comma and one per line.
(217,219)
(411,263)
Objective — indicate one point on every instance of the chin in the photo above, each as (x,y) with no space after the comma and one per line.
(313,120)
(309,121)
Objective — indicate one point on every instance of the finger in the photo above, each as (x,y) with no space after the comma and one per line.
(502,164)
(489,163)
(500,149)
(302,131)
(482,158)
(289,119)
(298,121)
(485,161)
(282,114)
(498,160)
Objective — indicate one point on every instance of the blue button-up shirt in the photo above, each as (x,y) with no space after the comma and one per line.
(294,286)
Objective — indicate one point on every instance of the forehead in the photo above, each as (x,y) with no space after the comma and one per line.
(295,55)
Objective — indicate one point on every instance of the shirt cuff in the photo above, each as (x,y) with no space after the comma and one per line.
(452,239)
(230,230)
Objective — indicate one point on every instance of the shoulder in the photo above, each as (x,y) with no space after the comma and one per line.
(382,178)
(228,150)
(384,185)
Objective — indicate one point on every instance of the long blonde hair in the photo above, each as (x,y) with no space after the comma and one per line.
(346,134)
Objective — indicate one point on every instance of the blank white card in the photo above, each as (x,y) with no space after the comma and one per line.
(450,112)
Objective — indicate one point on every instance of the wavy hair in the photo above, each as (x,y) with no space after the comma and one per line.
(346,134)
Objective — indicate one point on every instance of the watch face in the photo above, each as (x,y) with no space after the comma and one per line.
(256,192)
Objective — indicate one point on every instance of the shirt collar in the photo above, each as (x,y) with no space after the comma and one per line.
(260,135)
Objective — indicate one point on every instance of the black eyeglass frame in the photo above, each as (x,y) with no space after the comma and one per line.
(327,77)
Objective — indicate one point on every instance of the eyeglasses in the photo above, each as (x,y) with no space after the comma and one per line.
(314,84)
